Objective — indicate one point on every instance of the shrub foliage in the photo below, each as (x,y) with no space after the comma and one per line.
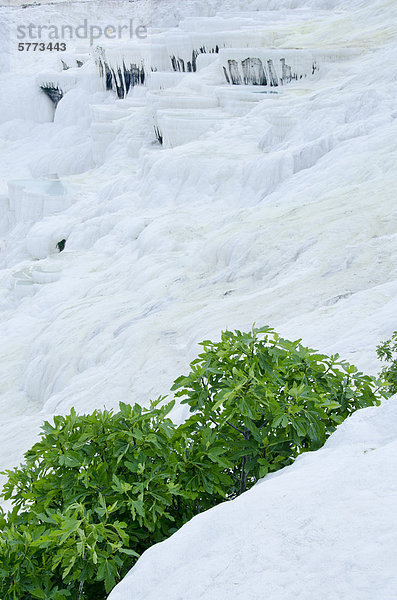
(97,490)
(387,352)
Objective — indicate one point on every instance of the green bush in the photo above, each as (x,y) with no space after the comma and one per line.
(387,352)
(97,490)
(90,490)
(259,400)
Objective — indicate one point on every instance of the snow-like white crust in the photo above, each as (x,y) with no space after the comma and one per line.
(191,204)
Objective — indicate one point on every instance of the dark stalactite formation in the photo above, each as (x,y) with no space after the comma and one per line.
(122,79)
(254,72)
(250,71)
(235,76)
(159,135)
(190,66)
(53,92)
(273,79)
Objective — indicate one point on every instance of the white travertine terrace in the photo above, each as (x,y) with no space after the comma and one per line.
(197,205)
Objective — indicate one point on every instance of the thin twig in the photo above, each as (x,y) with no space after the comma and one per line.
(231,425)
(214,422)
(236,428)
